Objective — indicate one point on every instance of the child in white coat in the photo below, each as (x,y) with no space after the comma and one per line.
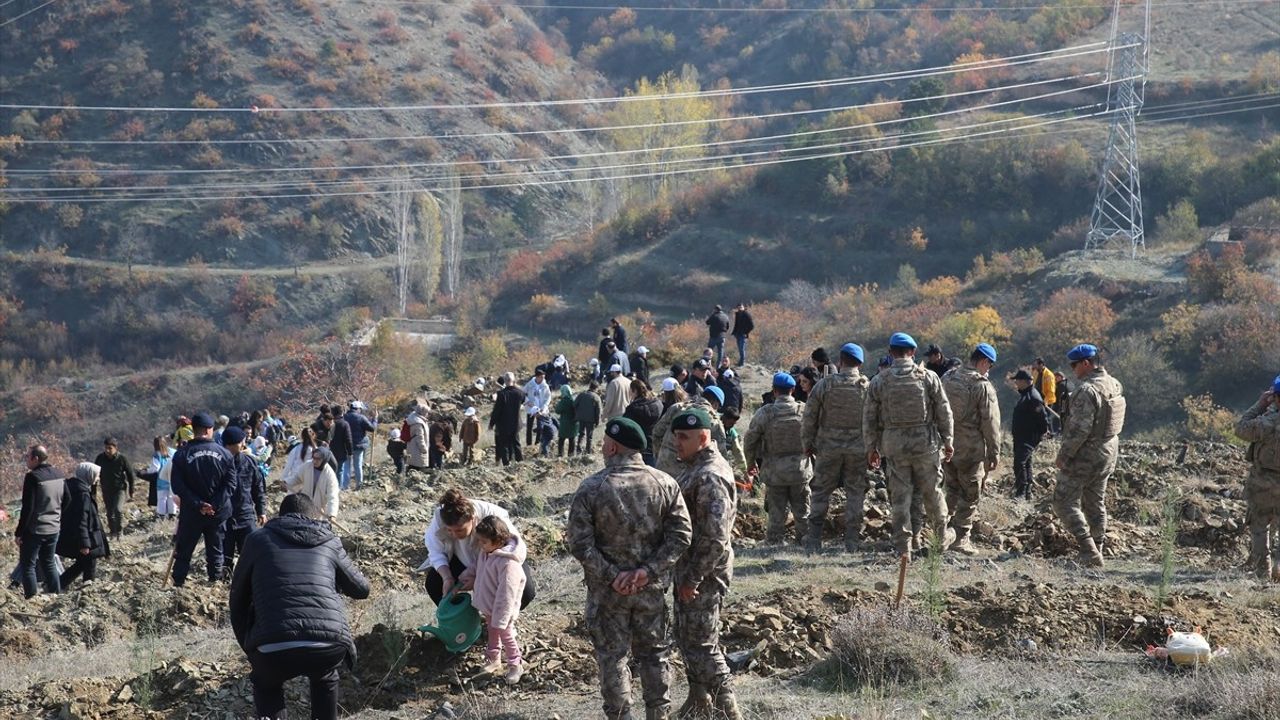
(499,582)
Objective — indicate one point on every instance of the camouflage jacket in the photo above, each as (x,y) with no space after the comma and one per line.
(1261,427)
(1097,412)
(624,517)
(711,497)
(664,440)
(833,414)
(976,415)
(774,440)
(907,413)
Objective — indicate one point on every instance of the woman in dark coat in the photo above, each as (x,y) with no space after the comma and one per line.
(81,536)
(645,409)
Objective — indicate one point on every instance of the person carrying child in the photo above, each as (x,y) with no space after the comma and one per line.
(499,584)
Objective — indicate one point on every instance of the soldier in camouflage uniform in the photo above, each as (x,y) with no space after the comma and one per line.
(775,449)
(627,526)
(833,436)
(977,440)
(667,460)
(1087,457)
(906,421)
(1261,427)
(702,576)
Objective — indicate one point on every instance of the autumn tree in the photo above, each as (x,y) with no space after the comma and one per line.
(1069,317)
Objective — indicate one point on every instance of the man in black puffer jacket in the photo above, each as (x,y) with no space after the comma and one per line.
(286,612)
(248,500)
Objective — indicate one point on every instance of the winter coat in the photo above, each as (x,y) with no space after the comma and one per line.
(419,449)
(616,396)
(505,417)
(442,436)
(499,583)
(1047,385)
(43,498)
(248,501)
(298,458)
(470,434)
(203,473)
(81,525)
(537,397)
(619,358)
(441,545)
(360,426)
(603,354)
(158,464)
(396,448)
(717,325)
(1030,421)
(341,441)
(620,338)
(639,367)
(319,485)
(286,586)
(117,474)
(732,392)
(568,413)
(743,323)
(587,409)
(645,412)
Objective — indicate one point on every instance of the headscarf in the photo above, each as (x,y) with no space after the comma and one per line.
(323,453)
(566,393)
(88,473)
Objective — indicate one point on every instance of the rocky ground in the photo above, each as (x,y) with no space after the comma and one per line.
(1033,634)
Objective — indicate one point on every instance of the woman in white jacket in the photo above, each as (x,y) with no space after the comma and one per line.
(453,549)
(318,481)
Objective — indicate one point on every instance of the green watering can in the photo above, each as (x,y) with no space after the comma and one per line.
(459,624)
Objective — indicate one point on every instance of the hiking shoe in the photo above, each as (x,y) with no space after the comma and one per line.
(1090,556)
(515,671)
(964,546)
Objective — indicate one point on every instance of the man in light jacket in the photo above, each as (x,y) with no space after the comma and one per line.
(537,398)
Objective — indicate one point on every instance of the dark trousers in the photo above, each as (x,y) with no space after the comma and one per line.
(742,349)
(271,670)
(233,542)
(191,527)
(530,424)
(84,566)
(435,458)
(1022,453)
(38,549)
(508,447)
(585,433)
(113,500)
(399,461)
(717,344)
(560,445)
(435,583)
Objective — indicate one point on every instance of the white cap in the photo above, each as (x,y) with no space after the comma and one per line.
(615,368)
(669,384)
(356,404)
(727,373)
(470,412)
(594,361)
(642,350)
(395,433)
(480,382)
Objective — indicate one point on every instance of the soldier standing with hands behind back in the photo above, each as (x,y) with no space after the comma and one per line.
(628,525)
(1261,427)
(703,574)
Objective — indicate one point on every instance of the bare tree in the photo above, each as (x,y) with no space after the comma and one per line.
(130,245)
(402,217)
(428,221)
(451,209)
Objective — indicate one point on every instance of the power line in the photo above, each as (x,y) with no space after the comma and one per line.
(334,168)
(716,167)
(973,66)
(16,18)
(810,10)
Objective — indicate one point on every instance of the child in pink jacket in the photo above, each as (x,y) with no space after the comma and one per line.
(499,581)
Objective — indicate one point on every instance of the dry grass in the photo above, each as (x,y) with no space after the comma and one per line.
(883,648)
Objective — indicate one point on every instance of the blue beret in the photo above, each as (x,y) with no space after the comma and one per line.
(715,392)
(987,351)
(853,350)
(1275,385)
(902,340)
(783,380)
(1082,352)
(233,435)
(202,420)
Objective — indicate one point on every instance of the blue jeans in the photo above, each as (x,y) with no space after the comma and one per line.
(354,466)
(717,345)
(742,349)
(39,549)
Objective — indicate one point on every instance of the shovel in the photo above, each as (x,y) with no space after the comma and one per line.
(902,579)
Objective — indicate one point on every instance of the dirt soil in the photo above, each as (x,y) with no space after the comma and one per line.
(127,647)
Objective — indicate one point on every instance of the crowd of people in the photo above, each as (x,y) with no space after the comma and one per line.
(651,528)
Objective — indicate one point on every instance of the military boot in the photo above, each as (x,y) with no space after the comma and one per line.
(726,705)
(964,545)
(1090,556)
(697,706)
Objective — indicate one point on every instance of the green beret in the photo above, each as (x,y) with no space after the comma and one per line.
(691,419)
(626,432)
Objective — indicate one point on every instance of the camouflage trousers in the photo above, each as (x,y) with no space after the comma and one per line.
(962,483)
(907,478)
(697,630)
(832,471)
(1262,496)
(778,499)
(635,624)
(1079,498)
